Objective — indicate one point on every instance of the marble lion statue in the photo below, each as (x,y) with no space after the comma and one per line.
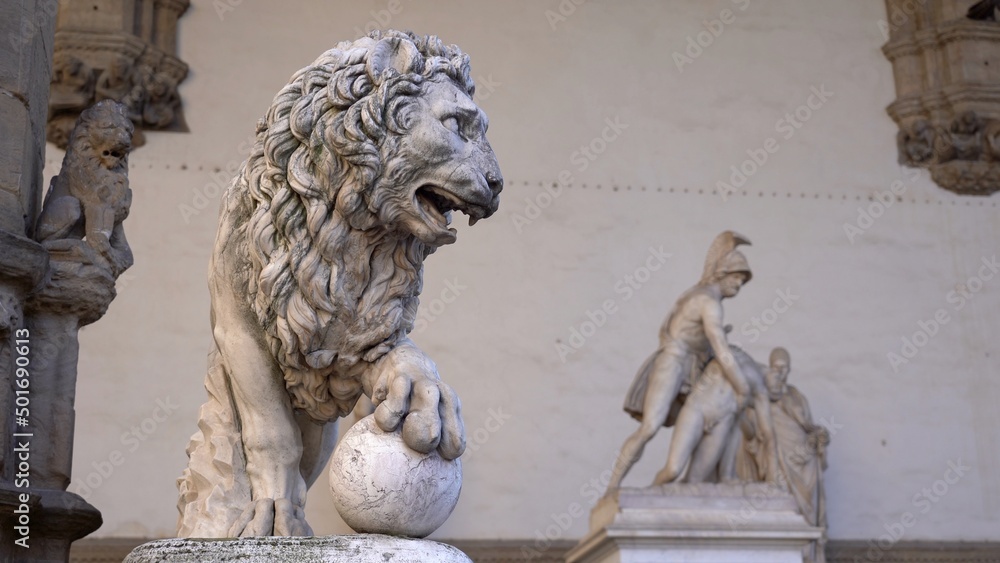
(317,268)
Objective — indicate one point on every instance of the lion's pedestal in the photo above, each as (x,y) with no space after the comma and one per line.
(703,523)
(365,548)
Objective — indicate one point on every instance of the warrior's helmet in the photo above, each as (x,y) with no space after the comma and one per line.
(723,257)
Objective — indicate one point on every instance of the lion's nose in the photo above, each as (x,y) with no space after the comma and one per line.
(495,181)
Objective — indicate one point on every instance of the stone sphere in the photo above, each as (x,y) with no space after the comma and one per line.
(381,486)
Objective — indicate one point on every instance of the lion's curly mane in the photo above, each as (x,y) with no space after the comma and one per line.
(331,280)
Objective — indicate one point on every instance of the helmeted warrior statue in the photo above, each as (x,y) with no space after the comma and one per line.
(692,335)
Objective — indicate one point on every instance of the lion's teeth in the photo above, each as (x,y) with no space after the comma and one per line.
(473,220)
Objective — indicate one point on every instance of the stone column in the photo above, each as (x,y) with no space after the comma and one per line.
(27,28)
(38,317)
(25,68)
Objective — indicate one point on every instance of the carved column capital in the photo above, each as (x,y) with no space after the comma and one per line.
(946,64)
(129,56)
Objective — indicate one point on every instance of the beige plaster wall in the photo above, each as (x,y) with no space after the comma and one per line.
(543,425)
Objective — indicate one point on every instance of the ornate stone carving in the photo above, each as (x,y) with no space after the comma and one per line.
(125,51)
(946,62)
(317,268)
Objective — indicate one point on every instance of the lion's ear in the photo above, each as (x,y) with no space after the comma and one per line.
(399,55)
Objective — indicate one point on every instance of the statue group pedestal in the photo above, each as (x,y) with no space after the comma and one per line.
(696,523)
(360,548)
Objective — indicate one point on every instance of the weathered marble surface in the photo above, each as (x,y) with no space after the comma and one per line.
(357,168)
(381,486)
(366,548)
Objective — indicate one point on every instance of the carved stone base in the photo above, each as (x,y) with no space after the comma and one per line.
(362,548)
(703,523)
(55,519)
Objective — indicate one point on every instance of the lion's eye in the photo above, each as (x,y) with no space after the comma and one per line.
(451,122)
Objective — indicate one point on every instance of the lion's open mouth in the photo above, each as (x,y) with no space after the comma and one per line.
(437,203)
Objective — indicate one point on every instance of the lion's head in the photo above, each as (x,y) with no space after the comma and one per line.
(103,134)
(384,132)
(358,165)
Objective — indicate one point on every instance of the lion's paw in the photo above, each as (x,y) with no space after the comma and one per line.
(269,517)
(408,392)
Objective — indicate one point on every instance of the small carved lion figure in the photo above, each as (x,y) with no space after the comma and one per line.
(351,184)
(90,197)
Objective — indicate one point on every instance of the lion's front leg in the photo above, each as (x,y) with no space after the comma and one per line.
(406,389)
(99,222)
(272,440)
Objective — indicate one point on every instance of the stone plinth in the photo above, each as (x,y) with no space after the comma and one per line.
(361,548)
(696,523)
